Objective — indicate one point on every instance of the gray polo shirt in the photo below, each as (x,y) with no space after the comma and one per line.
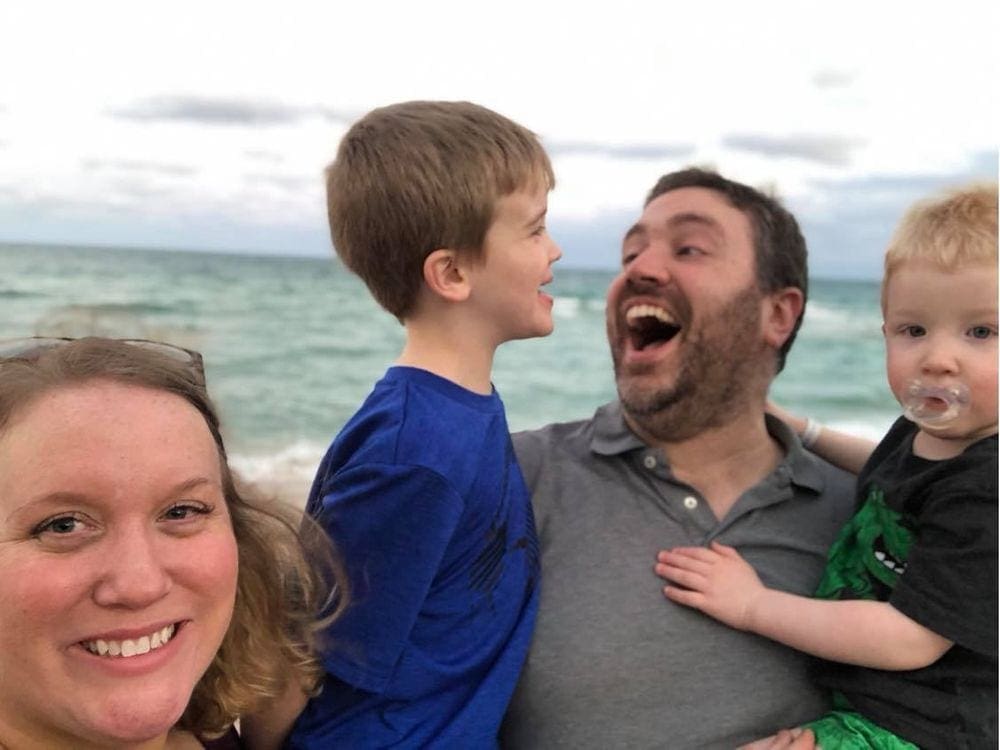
(614,664)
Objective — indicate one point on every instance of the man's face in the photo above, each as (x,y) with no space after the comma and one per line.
(684,316)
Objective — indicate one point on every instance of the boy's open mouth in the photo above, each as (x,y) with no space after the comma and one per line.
(649,325)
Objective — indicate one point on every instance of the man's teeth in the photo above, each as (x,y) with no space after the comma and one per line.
(649,311)
(130,647)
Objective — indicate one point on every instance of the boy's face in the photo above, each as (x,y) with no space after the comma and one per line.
(517,255)
(941,328)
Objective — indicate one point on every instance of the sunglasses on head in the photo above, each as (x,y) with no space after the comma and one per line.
(33,346)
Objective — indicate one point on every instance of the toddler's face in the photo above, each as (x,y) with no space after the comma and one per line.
(941,331)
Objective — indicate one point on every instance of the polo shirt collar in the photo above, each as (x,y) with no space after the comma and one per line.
(611,437)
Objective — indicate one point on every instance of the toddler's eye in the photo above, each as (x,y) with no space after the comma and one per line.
(914,330)
(981,332)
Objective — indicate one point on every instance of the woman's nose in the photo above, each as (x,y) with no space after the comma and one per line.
(135,573)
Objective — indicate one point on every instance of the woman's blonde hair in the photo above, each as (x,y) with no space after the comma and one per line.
(290,584)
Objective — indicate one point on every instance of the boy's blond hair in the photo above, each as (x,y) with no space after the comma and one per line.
(950,231)
(418,176)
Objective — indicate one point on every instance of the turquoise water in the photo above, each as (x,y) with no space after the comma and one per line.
(292,345)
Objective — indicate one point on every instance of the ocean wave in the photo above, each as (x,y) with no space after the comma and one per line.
(565,307)
(295,463)
(840,321)
(17,294)
(116,320)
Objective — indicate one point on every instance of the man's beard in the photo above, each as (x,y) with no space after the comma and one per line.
(722,364)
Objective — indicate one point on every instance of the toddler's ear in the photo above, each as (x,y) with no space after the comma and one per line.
(445,276)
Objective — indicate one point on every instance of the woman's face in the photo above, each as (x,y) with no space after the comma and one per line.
(117,564)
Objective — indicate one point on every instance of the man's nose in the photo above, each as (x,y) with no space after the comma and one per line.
(651,267)
(135,572)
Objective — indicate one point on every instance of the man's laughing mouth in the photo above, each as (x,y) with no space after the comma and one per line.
(649,326)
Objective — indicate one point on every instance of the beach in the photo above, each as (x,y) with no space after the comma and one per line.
(293,345)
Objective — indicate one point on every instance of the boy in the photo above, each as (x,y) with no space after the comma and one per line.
(440,208)
(914,573)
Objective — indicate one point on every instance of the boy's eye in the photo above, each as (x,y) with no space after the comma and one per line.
(981,332)
(539,231)
(914,330)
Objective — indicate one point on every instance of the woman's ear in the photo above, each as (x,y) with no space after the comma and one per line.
(782,309)
(445,276)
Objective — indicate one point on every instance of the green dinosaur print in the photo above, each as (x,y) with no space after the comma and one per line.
(870,553)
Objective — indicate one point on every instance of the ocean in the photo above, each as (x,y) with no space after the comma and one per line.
(293,345)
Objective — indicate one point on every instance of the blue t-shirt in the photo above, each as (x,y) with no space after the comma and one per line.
(424,499)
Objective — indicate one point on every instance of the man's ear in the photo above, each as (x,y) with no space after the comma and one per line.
(445,276)
(781,310)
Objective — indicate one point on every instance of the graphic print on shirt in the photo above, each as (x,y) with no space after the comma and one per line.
(870,553)
(488,567)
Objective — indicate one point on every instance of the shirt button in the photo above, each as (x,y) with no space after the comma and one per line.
(690,502)
(650,462)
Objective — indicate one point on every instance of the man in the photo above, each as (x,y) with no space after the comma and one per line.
(709,298)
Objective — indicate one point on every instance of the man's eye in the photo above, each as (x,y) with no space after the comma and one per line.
(685,250)
(981,332)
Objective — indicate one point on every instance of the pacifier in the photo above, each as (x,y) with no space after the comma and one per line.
(934,405)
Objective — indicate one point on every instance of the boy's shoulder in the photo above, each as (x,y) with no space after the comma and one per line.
(415,417)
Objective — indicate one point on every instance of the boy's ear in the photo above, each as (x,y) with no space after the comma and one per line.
(781,310)
(445,276)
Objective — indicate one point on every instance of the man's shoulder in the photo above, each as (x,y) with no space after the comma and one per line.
(555,435)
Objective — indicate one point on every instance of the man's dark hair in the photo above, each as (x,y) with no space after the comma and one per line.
(779,246)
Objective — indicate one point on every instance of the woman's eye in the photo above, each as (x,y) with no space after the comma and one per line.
(60,525)
(185,511)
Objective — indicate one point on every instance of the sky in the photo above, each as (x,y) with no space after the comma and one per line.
(206,125)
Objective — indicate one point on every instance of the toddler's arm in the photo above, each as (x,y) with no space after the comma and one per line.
(849,452)
(722,584)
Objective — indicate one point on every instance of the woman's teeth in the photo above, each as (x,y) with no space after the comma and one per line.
(131,647)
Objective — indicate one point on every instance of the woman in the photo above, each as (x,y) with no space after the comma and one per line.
(144,600)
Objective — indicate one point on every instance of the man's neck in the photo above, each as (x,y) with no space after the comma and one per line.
(450,350)
(721,462)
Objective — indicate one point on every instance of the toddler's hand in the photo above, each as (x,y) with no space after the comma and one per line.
(786,739)
(717,581)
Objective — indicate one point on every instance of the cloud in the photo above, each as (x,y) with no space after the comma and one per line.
(292,183)
(832,150)
(263,155)
(205,110)
(619,151)
(849,238)
(832,79)
(132,165)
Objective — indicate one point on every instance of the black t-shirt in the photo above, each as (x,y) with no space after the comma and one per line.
(925,540)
